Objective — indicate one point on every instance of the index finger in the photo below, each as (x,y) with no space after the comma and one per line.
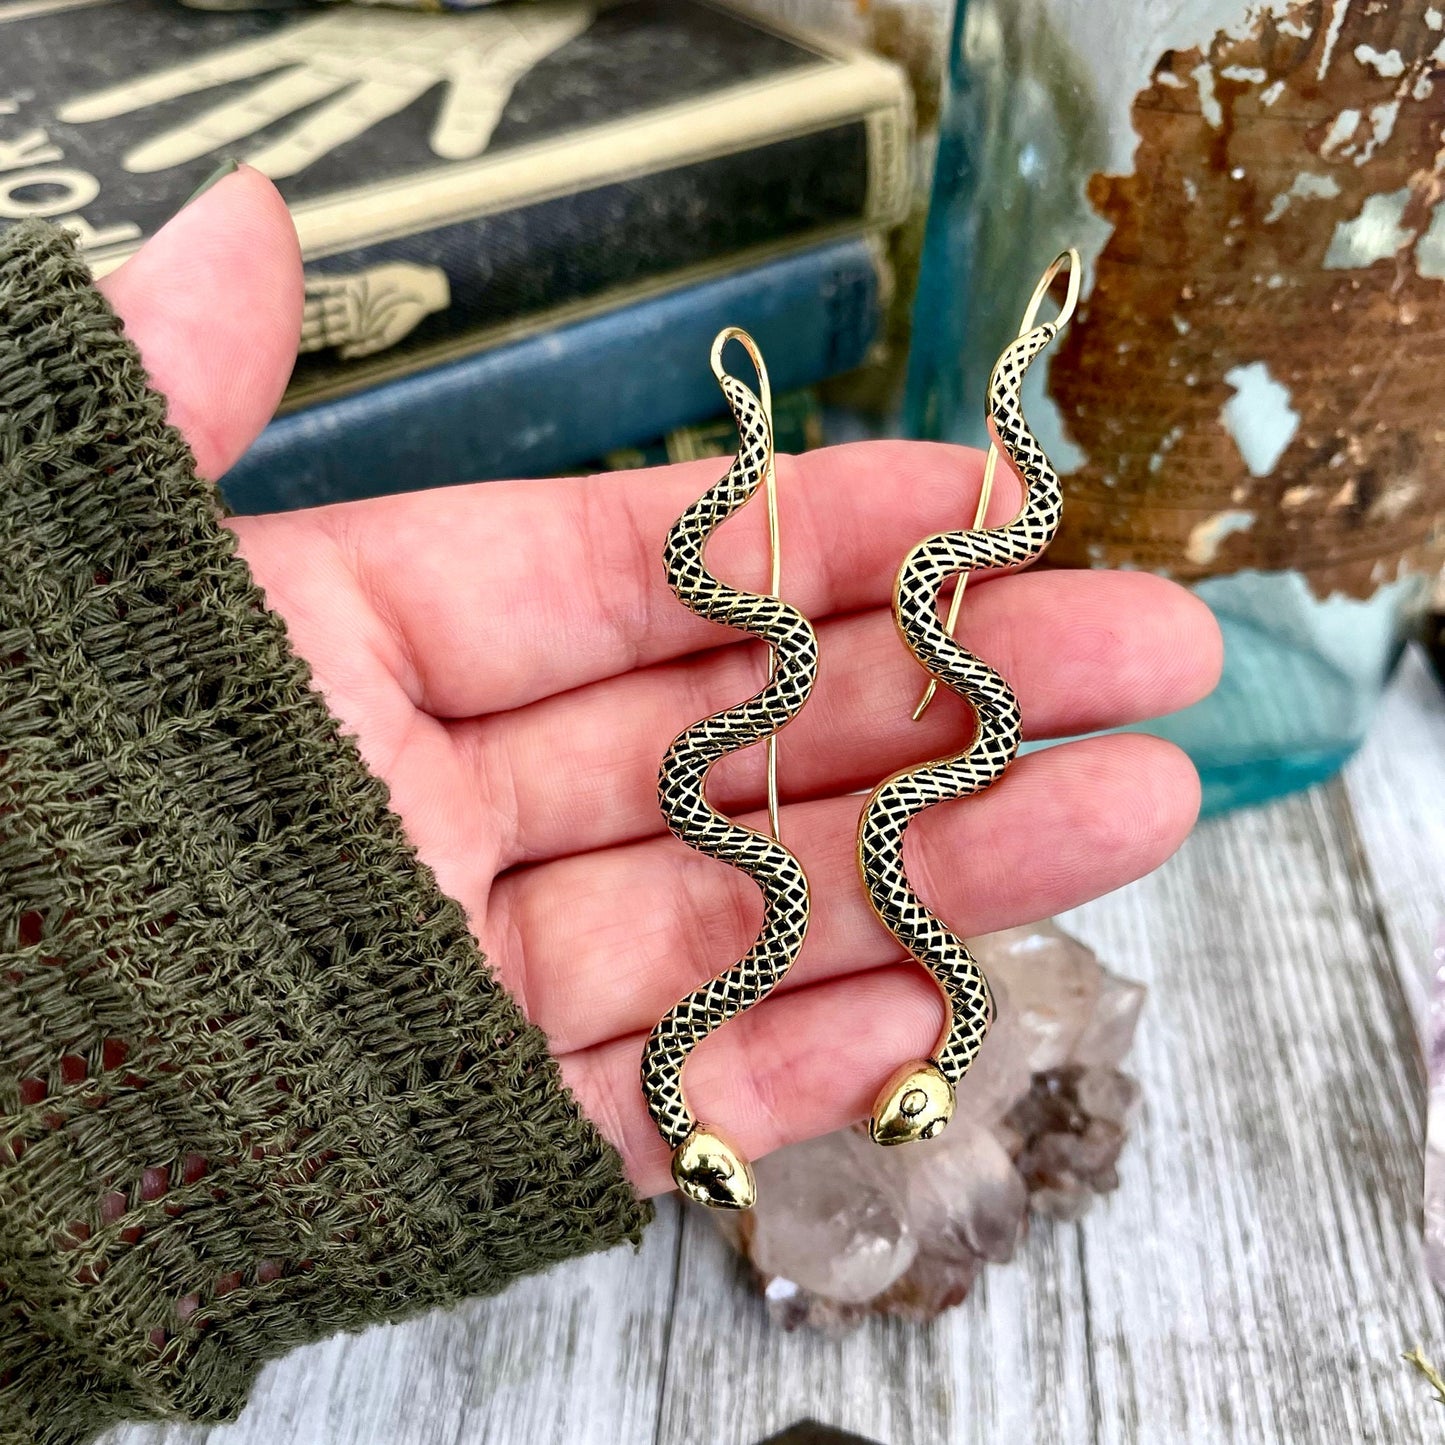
(502,593)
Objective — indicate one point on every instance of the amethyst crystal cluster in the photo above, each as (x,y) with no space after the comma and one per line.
(844,1228)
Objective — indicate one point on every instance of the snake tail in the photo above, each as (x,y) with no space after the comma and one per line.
(705,1165)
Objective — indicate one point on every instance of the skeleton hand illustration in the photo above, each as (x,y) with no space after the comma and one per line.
(371,310)
(373,63)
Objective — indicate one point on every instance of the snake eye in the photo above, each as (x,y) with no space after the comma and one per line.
(718,1166)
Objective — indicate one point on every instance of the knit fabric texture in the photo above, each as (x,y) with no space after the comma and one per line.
(257,1084)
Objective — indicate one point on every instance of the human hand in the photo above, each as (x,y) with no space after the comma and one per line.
(375,63)
(368,311)
(511,662)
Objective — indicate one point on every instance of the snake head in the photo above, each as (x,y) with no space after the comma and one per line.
(710,1171)
(915,1103)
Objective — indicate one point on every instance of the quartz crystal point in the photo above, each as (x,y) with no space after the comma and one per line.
(844,1228)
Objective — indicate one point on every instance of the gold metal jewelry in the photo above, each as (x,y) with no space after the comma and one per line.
(705,1166)
(918,1100)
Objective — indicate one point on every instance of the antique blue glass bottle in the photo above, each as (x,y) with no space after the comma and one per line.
(1240,408)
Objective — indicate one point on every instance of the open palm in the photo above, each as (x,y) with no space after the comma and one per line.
(512,664)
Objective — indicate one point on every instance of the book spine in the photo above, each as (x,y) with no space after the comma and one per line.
(542,404)
(491,279)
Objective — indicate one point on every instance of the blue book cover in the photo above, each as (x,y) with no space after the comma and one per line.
(457,180)
(547,403)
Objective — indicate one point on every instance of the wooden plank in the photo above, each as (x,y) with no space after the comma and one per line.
(572,1356)
(1396,787)
(1258,1275)
(996,1370)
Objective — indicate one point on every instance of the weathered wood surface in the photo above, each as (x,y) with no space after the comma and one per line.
(1255,1278)
(1397,794)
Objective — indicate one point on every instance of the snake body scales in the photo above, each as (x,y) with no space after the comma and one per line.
(900,798)
(685,766)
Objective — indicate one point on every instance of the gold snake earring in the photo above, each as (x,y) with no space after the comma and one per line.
(918,1099)
(705,1166)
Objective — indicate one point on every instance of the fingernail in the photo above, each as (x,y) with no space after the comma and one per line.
(223,170)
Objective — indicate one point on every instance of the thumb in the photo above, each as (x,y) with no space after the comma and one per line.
(213,301)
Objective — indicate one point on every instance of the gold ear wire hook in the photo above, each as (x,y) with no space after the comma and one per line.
(770,488)
(1069,259)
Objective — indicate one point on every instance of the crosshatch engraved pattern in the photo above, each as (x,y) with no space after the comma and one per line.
(684,770)
(997,733)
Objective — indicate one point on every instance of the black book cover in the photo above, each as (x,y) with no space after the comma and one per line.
(461,179)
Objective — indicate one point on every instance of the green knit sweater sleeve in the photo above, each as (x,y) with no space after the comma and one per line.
(256,1082)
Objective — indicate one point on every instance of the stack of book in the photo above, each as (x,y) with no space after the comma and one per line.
(522,225)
